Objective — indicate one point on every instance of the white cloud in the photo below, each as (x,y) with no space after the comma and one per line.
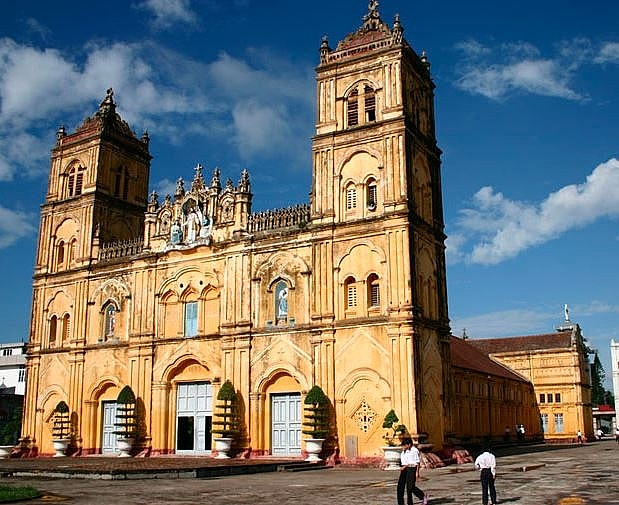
(169,12)
(15,225)
(496,228)
(498,72)
(230,100)
(609,53)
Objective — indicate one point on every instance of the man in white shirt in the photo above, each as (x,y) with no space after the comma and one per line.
(486,462)
(410,460)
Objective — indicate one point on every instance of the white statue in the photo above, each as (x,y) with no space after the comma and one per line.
(205,224)
(176,234)
(192,226)
(567,312)
(282,304)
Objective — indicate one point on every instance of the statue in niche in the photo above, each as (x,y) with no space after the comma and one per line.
(205,224)
(191,226)
(176,233)
(282,304)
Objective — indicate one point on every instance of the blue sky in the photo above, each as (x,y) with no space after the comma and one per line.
(527,103)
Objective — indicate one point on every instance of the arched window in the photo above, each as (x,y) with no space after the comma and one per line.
(373,296)
(60,255)
(371,195)
(353,108)
(281,301)
(350,292)
(351,197)
(370,104)
(72,249)
(66,328)
(53,329)
(109,323)
(75,182)
(191,319)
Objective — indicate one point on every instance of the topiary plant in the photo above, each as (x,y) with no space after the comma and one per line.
(227,416)
(317,413)
(397,430)
(126,421)
(60,421)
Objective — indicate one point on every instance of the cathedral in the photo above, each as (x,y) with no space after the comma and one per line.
(175,295)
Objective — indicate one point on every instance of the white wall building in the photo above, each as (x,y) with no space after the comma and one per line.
(13,366)
(614,364)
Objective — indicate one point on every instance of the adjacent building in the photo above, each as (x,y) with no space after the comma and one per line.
(12,390)
(557,364)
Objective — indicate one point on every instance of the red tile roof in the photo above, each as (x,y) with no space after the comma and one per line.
(557,340)
(464,355)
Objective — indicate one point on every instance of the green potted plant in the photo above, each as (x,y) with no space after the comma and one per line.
(317,421)
(61,428)
(392,438)
(126,422)
(227,420)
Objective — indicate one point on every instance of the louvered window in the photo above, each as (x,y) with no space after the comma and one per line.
(351,198)
(353,108)
(370,105)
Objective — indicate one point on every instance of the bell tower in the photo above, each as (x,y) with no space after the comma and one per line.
(97,191)
(376,183)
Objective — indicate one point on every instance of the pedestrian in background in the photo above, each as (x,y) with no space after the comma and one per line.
(486,463)
(410,460)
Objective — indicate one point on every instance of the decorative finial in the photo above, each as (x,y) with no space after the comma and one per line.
(324,49)
(398,31)
(424,59)
(566,312)
(61,133)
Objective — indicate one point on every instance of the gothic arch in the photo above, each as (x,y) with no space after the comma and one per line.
(356,151)
(176,367)
(188,275)
(101,386)
(379,253)
(347,384)
(268,375)
(114,290)
(282,261)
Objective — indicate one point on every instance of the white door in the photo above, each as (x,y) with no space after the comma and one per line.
(286,424)
(194,413)
(108,444)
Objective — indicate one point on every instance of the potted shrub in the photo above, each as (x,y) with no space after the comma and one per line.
(227,420)
(126,422)
(392,438)
(61,428)
(317,422)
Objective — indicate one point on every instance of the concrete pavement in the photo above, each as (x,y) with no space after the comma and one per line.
(545,474)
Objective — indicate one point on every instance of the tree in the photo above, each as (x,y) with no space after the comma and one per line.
(598,393)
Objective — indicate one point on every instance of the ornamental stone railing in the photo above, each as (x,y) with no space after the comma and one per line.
(297,215)
(121,248)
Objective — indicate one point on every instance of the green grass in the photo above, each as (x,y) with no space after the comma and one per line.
(9,493)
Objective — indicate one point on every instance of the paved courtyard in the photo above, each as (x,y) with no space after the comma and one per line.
(549,475)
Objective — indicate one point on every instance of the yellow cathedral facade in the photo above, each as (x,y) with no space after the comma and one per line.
(174,296)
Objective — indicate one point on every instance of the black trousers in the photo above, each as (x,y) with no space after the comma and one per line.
(407,480)
(487,484)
